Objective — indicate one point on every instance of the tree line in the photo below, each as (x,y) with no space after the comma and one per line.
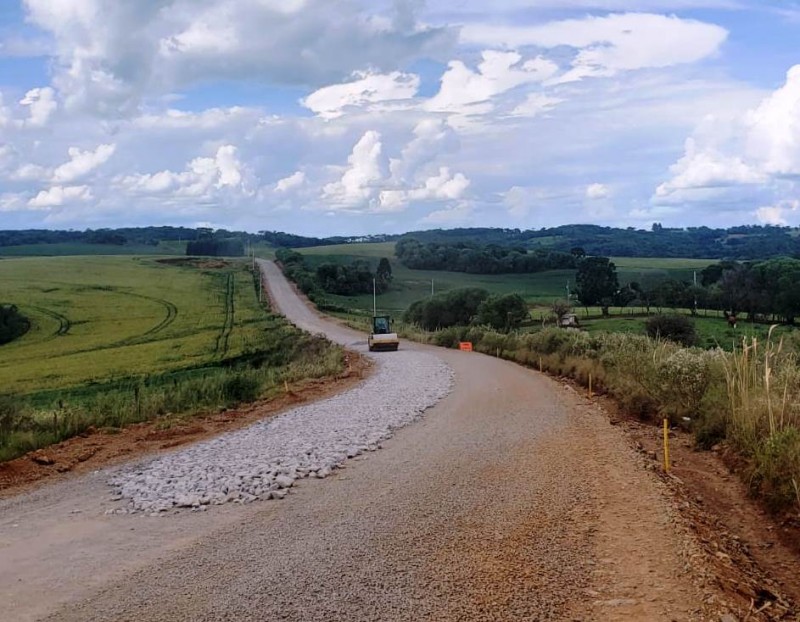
(215,247)
(349,279)
(763,290)
(479,259)
(471,305)
(739,243)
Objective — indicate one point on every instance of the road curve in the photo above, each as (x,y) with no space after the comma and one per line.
(513,499)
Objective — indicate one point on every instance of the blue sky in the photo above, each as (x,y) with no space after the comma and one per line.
(331,117)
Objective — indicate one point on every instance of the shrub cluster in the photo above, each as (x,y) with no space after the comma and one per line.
(12,324)
(677,328)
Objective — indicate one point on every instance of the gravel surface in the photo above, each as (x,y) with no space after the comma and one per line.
(263,461)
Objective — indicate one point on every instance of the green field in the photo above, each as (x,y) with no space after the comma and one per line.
(538,289)
(96,319)
(68,249)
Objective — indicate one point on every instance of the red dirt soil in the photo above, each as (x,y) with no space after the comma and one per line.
(755,555)
(102,448)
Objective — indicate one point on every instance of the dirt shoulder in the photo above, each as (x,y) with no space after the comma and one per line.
(103,448)
(751,556)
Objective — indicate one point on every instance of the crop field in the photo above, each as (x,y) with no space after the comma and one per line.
(69,249)
(538,289)
(96,319)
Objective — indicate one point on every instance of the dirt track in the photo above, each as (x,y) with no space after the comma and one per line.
(512,500)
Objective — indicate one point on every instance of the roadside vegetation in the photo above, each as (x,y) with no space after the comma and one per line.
(116,341)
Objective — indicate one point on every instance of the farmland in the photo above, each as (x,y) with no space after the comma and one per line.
(96,319)
(537,289)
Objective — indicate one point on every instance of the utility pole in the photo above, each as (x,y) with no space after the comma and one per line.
(374,298)
(432,289)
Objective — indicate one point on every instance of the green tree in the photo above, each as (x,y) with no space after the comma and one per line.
(596,282)
(457,307)
(503,312)
(677,328)
(383,275)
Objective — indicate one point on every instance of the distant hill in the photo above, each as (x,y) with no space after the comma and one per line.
(743,243)
(740,243)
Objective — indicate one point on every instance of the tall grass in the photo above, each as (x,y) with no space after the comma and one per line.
(763,382)
(25,428)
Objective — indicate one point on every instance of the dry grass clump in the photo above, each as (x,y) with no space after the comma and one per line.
(763,382)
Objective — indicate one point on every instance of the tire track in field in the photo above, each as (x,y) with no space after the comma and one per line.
(64,323)
(171,315)
(221,347)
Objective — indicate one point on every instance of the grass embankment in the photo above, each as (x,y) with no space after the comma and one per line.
(116,341)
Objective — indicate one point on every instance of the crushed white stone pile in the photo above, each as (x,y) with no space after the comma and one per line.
(264,460)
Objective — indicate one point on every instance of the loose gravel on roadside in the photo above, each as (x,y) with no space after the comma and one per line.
(264,460)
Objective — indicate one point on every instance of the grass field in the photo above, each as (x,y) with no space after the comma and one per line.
(537,289)
(67,249)
(99,318)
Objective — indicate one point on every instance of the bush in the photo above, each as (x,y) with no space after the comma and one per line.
(503,312)
(457,307)
(677,328)
(241,387)
(12,324)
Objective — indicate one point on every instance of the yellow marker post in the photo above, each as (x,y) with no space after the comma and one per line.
(541,368)
(591,394)
(667,463)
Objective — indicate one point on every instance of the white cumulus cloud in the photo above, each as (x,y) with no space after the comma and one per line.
(331,102)
(41,104)
(81,163)
(756,147)
(470,92)
(597,191)
(612,43)
(777,214)
(60,195)
(202,178)
(293,182)
(362,178)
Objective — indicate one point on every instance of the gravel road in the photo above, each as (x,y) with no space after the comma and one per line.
(511,499)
